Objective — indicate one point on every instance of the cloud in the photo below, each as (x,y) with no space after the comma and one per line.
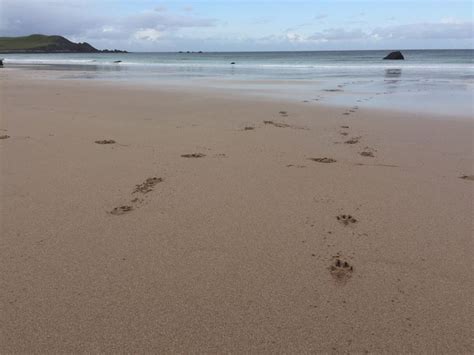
(21,17)
(338,34)
(188,8)
(105,25)
(451,20)
(438,31)
(161,8)
(148,34)
(447,29)
(93,21)
(164,22)
(295,37)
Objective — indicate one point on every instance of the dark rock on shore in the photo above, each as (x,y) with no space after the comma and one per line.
(395,56)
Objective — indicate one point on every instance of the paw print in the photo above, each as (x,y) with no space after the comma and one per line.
(323,160)
(341,270)
(121,210)
(346,219)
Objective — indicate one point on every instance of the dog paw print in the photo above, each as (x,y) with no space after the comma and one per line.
(117,211)
(323,160)
(147,185)
(341,270)
(346,219)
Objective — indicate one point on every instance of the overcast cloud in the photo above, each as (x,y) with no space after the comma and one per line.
(196,25)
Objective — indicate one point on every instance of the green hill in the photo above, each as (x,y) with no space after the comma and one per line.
(43,44)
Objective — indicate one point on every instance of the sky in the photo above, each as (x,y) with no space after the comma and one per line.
(233,25)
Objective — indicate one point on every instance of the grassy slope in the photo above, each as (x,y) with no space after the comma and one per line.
(42,43)
(27,42)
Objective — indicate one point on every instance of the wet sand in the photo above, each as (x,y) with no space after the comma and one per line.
(145,220)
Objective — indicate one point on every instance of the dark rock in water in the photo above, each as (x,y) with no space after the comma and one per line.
(1,62)
(395,56)
(117,61)
(113,51)
(232,63)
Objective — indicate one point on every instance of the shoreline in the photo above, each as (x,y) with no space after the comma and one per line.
(219,223)
(291,91)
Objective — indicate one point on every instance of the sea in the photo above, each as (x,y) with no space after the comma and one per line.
(439,82)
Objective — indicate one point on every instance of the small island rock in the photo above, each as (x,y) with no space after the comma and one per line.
(395,56)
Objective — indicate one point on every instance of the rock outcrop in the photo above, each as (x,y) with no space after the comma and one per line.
(395,56)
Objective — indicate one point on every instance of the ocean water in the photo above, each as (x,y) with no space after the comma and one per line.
(435,81)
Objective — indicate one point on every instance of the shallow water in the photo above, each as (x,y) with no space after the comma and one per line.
(440,82)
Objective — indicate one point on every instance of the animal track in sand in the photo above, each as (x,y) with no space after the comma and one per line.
(346,219)
(353,140)
(367,154)
(341,270)
(193,155)
(147,186)
(283,125)
(382,165)
(344,126)
(343,133)
(283,113)
(296,166)
(467,177)
(143,188)
(5,136)
(105,141)
(276,124)
(249,128)
(118,211)
(323,160)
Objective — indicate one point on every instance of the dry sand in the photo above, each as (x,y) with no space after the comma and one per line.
(131,247)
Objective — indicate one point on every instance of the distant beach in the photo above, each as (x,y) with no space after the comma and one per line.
(427,81)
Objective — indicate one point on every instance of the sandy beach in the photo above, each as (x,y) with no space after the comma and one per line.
(146,220)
